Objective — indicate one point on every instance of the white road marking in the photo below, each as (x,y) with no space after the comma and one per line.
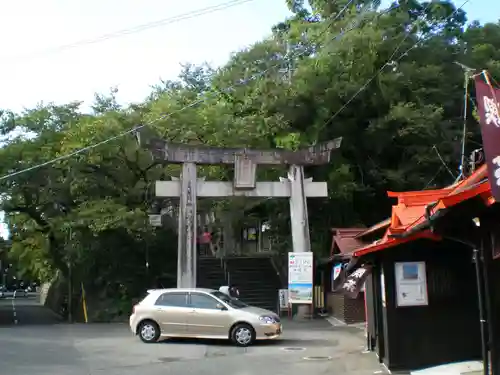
(14,313)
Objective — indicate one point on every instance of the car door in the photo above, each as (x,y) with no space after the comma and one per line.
(170,311)
(206,318)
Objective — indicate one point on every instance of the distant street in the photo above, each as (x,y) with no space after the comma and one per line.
(40,345)
(25,310)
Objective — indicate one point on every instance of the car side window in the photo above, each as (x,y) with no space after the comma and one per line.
(202,301)
(172,300)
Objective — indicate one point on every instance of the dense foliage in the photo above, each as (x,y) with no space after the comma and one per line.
(90,210)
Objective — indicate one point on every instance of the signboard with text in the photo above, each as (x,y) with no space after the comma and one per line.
(353,284)
(337,277)
(411,284)
(300,277)
(155,220)
(336,271)
(283,295)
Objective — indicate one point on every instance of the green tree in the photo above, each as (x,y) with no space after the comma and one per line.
(385,81)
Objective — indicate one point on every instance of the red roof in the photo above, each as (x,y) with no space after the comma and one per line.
(388,242)
(374,228)
(344,240)
(476,185)
(479,175)
(410,210)
(411,207)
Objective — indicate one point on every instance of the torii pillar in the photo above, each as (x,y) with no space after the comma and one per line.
(186,238)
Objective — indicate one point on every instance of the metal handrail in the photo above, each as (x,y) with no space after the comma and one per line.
(278,305)
(226,270)
(275,266)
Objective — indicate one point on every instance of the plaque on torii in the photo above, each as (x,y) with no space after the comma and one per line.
(245,161)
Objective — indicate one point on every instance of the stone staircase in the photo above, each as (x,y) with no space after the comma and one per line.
(256,279)
(210,273)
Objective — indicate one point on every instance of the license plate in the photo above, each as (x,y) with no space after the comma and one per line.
(279,331)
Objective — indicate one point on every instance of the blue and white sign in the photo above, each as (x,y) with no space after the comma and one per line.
(300,277)
(336,271)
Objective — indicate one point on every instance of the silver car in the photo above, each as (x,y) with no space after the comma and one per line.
(201,313)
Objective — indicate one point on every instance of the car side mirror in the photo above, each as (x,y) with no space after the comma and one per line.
(220,306)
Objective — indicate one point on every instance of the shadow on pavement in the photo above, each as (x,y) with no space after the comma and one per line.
(284,342)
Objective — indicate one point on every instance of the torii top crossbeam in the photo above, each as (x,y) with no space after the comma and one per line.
(166,152)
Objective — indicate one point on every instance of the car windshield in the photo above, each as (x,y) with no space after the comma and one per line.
(233,302)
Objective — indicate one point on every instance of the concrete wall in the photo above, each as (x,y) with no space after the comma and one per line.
(52,294)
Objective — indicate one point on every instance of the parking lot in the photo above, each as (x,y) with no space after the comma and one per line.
(40,345)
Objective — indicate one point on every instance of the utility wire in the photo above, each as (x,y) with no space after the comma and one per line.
(388,62)
(133,29)
(165,116)
(467,72)
(433,178)
(443,162)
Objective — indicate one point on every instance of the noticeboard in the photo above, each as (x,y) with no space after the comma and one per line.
(155,220)
(300,277)
(411,284)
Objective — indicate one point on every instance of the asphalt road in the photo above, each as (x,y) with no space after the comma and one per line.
(40,345)
(25,310)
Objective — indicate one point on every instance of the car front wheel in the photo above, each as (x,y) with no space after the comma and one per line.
(149,332)
(243,335)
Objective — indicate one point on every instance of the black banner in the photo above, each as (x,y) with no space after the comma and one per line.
(354,281)
(488,99)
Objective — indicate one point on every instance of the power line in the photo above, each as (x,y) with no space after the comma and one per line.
(467,75)
(135,29)
(90,147)
(433,178)
(192,104)
(388,62)
(443,162)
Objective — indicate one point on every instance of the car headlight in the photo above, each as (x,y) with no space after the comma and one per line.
(267,319)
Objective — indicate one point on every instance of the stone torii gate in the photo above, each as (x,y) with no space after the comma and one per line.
(189,187)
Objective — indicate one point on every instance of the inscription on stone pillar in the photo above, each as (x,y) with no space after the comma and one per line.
(189,218)
(186,257)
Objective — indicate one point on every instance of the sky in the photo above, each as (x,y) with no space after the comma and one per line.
(30,73)
(34,69)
